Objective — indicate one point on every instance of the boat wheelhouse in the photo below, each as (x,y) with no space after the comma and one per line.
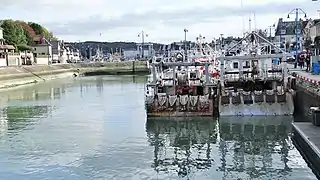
(255,83)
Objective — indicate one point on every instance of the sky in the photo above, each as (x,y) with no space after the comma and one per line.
(163,21)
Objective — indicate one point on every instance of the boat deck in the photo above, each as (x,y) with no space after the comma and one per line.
(307,138)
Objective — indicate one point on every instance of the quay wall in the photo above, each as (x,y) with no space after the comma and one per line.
(111,68)
(304,99)
(22,75)
(307,149)
(307,95)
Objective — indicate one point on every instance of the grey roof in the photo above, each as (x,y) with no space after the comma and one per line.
(289,27)
(316,21)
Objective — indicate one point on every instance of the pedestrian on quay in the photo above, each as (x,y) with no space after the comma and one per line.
(308,59)
(301,60)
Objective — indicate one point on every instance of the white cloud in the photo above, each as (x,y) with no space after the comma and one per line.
(164,20)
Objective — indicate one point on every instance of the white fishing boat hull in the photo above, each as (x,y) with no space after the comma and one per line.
(264,108)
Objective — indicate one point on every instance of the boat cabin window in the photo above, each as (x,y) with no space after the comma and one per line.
(235,65)
(275,61)
(199,91)
(193,75)
(255,62)
(247,64)
(160,90)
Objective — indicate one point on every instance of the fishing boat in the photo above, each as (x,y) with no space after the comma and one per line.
(255,82)
(181,90)
(184,87)
(249,82)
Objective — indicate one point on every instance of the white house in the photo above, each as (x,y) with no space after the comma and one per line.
(76,55)
(42,50)
(56,48)
(63,57)
(7,55)
(315,30)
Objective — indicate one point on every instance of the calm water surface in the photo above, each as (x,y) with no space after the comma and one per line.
(96,128)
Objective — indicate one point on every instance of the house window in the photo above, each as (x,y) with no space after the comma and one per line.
(283,31)
(247,64)
(297,31)
(235,65)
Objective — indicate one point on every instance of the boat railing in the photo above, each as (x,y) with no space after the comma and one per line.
(195,82)
(271,71)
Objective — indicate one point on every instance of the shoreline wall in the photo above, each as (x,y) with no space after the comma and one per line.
(305,99)
(22,75)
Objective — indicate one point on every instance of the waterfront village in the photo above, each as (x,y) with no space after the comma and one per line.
(43,52)
(46,52)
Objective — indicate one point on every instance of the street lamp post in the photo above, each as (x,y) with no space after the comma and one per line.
(185,44)
(215,44)
(297,11)
(280,34)
(142,34)
(221,42)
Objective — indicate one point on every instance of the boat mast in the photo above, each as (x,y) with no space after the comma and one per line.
(243,28)
(250,23)
(255,22)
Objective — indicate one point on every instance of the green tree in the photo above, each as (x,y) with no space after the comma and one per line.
(28,37)
(23,47)
(20,35)
(29,32)
(14,33)
(36,27)
(40,30)
(8,31)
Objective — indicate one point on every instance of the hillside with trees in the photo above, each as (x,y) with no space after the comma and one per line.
(20,34)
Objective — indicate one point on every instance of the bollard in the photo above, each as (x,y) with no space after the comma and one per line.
(133,66)
(315,116)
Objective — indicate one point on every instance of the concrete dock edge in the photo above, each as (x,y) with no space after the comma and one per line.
(308,149)
(15,76)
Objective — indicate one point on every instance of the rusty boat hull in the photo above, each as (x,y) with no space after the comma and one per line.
(183,106)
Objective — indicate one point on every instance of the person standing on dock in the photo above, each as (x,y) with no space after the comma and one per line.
(308,60)
(301,60)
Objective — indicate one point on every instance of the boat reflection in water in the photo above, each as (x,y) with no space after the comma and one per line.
(255,147)
(180,146)
(231,148)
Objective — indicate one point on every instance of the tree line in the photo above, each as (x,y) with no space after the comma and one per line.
(20,34)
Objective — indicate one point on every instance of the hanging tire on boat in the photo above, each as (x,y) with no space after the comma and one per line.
(248,86)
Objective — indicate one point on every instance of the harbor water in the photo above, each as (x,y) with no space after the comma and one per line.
(96,128)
